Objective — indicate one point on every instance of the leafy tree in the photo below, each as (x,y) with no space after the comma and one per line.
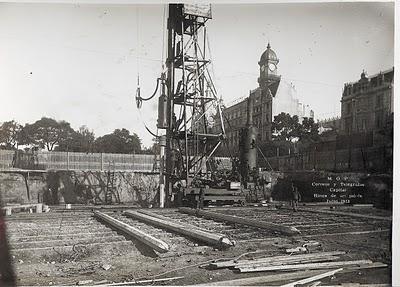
(81,140)
(10,133)
(309,130)
(120,141)
(153,149)
(285,127)
(47,133)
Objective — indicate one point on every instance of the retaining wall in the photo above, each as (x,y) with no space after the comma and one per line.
(79,187)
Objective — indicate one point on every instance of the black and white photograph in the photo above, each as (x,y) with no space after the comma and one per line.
(198,144)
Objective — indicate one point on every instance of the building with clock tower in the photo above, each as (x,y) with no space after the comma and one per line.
(235,116)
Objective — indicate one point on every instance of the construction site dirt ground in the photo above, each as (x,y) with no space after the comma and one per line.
(70,247)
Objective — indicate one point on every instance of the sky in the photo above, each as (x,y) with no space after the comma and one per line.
(80,62)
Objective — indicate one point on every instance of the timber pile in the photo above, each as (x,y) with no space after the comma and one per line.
(145,238)
(185,229)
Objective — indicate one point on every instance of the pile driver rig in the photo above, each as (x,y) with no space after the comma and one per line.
(187,101)
(187,107)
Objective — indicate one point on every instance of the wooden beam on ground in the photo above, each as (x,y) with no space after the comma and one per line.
(309,266)
(184,229)
(346,233)
(241,220)
(262,280)
(145,238)
(250,281)
(313,278)
(232,263)
(351,214)
(146,281)
(37,206)
(288,261)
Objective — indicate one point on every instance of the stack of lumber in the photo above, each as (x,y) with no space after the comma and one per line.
(279,260)
(310,261)
(306,268)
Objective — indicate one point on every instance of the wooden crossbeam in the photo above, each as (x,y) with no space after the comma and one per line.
(241,220)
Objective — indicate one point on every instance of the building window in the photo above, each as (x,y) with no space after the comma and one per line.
(364,124)
(380,80)
(379,101)
(348,108)
(347,126)
(378,120)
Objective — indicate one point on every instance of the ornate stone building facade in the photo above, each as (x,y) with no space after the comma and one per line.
(367,105)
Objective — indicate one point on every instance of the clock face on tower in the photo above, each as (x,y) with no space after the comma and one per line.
(272,67)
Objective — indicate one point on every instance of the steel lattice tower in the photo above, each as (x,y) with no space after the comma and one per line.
(191,96)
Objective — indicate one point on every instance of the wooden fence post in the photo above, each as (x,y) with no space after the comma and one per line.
(101,161)
(67,160)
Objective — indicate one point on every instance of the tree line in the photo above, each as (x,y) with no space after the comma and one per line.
(47,133)
(288,133)
(52,135)
(291,134)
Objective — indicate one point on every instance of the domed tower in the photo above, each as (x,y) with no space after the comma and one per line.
(269,78)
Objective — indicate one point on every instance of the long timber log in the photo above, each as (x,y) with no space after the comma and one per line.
(184,229)
(351,214)
(145,238)
(309,266)
(288,230)
(346,233)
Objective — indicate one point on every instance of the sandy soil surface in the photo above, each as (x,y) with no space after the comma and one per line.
(70,247)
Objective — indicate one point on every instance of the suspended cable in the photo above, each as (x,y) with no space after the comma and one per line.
(163,37)
(139,99)
(137,40)
(145,125)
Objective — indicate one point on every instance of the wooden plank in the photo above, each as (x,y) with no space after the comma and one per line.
(232,263)
(241,220)
(143,281)
(351,214)
(346,233)
(258,280)
(313,278)
(324,265)
(145,238)
(263,279)
(212,191)
(224,197)
(285,262)
(185,229)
